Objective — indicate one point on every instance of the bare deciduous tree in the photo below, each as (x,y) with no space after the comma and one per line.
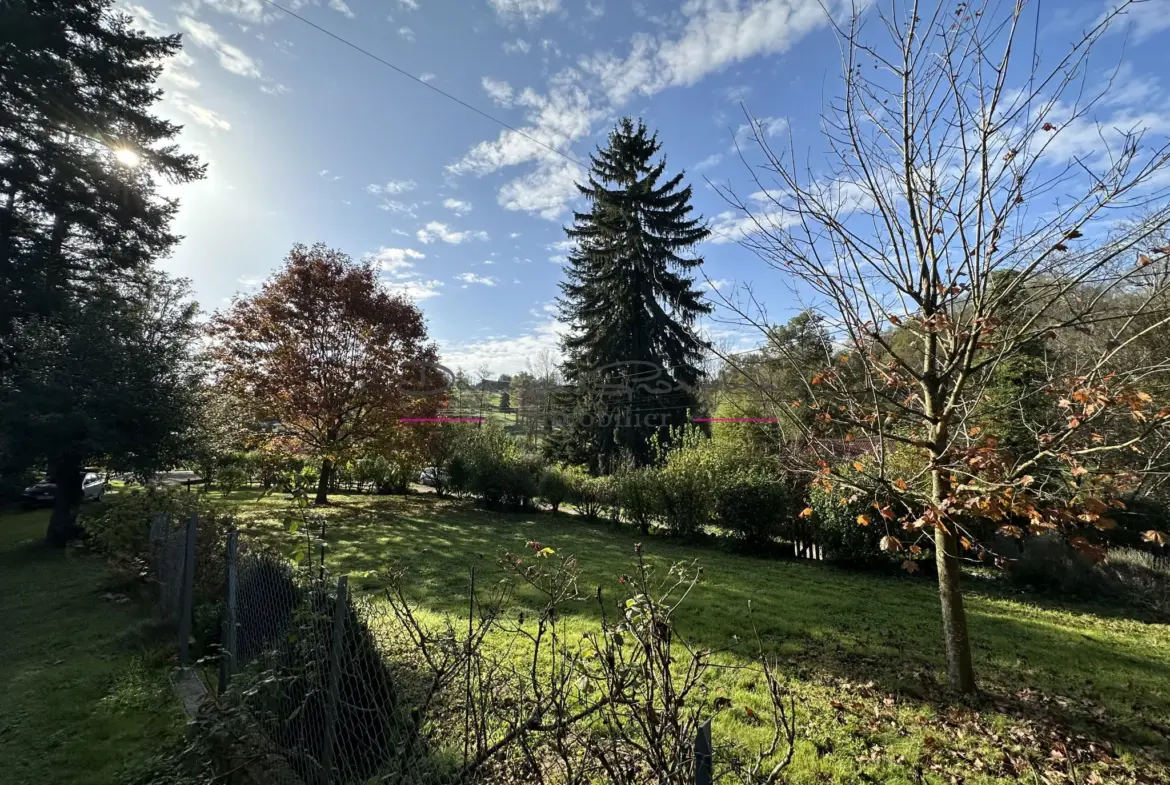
(962,221)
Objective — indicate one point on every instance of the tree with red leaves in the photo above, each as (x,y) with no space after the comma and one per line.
(328,353)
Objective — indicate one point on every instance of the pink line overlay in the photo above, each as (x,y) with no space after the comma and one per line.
(441,419)
(736,419)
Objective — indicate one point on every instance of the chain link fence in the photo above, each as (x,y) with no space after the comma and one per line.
(338,689)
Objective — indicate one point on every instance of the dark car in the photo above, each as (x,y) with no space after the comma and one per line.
(44,492)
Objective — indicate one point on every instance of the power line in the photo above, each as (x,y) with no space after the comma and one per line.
(425,84)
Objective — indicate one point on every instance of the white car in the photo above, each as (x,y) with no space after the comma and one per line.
(45,491)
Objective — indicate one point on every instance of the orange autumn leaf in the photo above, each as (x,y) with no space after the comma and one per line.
(890,544)
(806,512)
(858,466)
(863,519)
(1011,531)
(900,484)
(1156,537)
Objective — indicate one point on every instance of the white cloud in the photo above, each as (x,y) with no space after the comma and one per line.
(392,187)
(231,58)
(519,45)
(484,280)
(201,115)
(527,10)
(395,206)
(340,7)
(175,73)
(436,231)
(546,191)
(594,10)
(415,288)
(514,235)
(144,20)
(409,5)
(457,206)
(401,277)
(733,226)
(498,90)
(251,11)
(708,36)
(559,259)
(708,162)
(396,261)
(562,245)
(505,354)
(426,77)
(759,126)
(1146,19)
(274,88)
(406,34)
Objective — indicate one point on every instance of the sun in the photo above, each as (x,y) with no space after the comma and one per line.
(127,158)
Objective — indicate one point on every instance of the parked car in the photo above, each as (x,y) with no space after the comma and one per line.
(429,476)
(44,492)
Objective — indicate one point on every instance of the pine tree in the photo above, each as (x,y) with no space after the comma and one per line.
(76,89)
(80,217)
(631,351)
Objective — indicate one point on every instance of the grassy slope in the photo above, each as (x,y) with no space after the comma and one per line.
(79,701)
(864,650)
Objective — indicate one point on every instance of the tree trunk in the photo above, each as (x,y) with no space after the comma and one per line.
(960,671)
(63,521)
(323,482)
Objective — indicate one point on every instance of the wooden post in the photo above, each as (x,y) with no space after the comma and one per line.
(187,598)
(334,697)
(704,767)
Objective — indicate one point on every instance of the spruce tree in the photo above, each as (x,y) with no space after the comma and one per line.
(631,306)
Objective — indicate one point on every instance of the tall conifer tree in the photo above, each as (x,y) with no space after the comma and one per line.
(632,355)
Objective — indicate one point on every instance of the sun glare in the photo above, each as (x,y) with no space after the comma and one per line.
(127,158)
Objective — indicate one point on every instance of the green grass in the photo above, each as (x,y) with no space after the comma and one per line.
(82,700)
(863,651)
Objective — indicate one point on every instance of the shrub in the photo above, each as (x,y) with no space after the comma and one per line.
(554,488)
(636,494)
(836,529)
(684,492)
(1048,563)
(231,478)
(459,475)
(1126,576)
(755,506)
(120,528)
(588,493)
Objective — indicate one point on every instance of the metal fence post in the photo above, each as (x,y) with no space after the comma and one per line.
(335,655)
(227,664)
(188,596)
(704,770)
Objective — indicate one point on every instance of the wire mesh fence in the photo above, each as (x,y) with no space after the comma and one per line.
(338,688)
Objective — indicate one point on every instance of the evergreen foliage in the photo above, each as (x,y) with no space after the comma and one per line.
(631,306)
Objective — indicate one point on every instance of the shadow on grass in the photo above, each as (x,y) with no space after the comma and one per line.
(1107,678)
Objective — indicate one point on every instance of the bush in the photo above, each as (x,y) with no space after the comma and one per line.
(836,529)
(554,488)
(505,481)
(231,478)
(588,494)
(119,527)
(685,488)
(636,494)
(756,507)
(1127,575)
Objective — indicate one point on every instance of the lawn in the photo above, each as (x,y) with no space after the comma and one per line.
(1069,694)
(82,698)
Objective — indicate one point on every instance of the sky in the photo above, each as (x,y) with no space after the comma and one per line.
(308,140)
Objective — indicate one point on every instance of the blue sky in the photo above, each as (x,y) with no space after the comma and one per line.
(308,140)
